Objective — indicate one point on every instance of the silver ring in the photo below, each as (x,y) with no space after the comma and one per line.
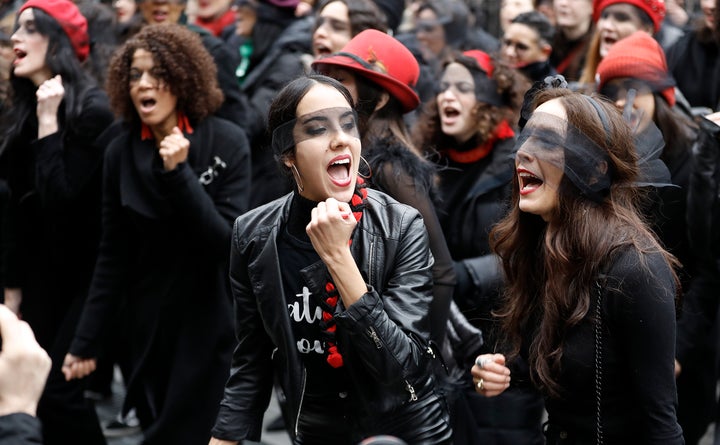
(480,384)
(480,361)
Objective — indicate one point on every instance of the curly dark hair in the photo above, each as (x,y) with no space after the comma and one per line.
(181,62)
(511,85)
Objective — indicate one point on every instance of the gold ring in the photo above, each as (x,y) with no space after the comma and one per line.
(480,384)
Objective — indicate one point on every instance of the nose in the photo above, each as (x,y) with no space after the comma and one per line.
(523,156)
(509,51)
(340,139)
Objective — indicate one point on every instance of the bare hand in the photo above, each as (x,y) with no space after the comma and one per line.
(214,441)
(49,96)
(76,368)
(13,298)
(174,149)
(714,117)
(330,228)
(302,9)
(493,377)
(24,366)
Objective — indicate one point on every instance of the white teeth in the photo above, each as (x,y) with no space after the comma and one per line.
(527,175)
(341,162)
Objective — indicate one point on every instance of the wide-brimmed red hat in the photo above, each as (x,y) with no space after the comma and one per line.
(70,19)
(382,59)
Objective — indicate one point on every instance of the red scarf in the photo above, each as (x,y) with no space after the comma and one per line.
(183,124)
(329,301)
(502,131)
(216,25)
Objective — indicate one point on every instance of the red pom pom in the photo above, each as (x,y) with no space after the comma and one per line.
(356,200)
(331,328)
(334,358)
(329,287)
(332,301)
(326,316)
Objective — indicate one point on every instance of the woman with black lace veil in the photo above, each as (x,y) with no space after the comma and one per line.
(590,292)
(332,285)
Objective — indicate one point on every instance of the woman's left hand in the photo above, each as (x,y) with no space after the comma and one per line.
(49,96)
(174,149)
(330,228)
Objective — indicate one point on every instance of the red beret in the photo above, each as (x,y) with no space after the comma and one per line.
(638,56)
(70,19)
(653,8)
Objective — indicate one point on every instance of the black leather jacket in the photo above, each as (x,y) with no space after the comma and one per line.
(381,336)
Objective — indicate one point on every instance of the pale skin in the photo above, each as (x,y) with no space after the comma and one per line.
(331,223)
(24,366)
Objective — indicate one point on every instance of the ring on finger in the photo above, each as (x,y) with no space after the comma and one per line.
(480,361)
(481,384)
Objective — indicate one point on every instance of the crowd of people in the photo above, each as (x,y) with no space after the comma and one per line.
(409,221)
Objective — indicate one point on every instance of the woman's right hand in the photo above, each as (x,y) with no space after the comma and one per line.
(77,367)
(214,441)
(490,375)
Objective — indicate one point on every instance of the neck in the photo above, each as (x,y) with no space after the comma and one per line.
(300,213)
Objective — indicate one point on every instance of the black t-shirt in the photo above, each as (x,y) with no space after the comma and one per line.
(296,253)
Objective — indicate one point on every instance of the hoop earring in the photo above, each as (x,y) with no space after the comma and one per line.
(369,174)
(296,176)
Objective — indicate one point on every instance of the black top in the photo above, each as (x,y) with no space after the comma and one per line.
(639,397)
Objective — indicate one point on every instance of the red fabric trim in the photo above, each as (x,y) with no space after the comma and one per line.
(503,131)
(183,124)
(216,26)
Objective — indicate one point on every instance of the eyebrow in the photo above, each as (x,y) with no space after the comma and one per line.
(315,118)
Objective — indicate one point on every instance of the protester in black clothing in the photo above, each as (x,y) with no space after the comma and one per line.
(574,26)
(332,285)
(590,292)
(52,165)
(174,180)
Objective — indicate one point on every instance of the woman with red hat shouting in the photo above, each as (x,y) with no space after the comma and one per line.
(468,132)
(380,74)
(51,159)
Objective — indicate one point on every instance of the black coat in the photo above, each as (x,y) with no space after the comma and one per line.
(381,336)
(52,229)
(20,429)
(164,248)
(694,63)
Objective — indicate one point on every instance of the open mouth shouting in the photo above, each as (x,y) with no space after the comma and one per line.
(529,182)
(339,170)
(19,55)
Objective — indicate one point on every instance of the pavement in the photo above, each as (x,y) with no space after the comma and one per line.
(107,411)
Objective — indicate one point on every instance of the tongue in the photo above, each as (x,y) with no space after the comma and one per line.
(338,172)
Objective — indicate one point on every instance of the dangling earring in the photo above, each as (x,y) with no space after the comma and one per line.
(369,174)
(296,175)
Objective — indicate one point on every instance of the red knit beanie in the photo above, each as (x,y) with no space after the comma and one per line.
(653,8)
(638,56)
(71,21)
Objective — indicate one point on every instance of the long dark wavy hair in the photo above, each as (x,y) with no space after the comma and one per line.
(551,268)
(61,59)
(427,132)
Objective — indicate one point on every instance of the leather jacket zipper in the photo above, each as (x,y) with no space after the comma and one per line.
(375,337)
(302,397)
(370,262)
(411,390)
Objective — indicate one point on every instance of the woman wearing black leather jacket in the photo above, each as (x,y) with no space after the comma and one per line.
(331,285)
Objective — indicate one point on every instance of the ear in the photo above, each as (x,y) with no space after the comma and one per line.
(546,49)
(288,161)
(384,98)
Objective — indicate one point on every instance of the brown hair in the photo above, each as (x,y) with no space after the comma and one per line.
(511,86)
(181,62)
(552,268)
